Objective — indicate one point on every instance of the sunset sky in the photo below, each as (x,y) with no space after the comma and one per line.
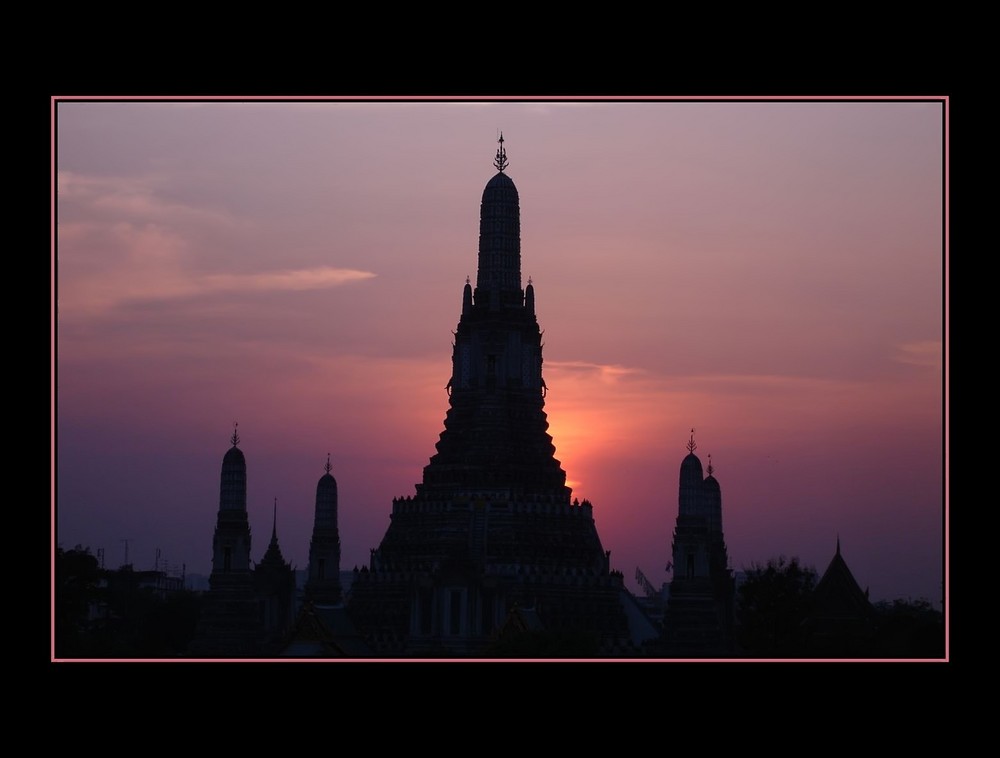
(771,274)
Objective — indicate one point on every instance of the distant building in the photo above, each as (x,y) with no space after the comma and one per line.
(117,587)
(322,628)
(842,619)
(247,610)
(323,582)
(492,526)
(274,582)
(699,620)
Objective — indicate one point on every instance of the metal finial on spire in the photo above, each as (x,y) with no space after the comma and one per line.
(501,159)
(710,469)
(274,524)
(529,280)
(691,446)
(838,543)
(328,463)
(235,439)
(467,280)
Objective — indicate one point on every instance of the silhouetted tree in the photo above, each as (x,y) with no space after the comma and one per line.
(908,629)
(77,577)
(772,604)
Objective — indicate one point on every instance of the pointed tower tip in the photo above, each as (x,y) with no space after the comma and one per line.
(328,463)
(838,543)
(274,521)
(691,447)
(500,161)
(235,439)
(710,469)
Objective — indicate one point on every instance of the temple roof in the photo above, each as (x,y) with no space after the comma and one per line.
(499,180)
(327,479)
(838,594)
(234,456)
(273,557)
(691,465)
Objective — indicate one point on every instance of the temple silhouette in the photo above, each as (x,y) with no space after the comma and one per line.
(700,610)
(492,526)
(249,607)
(491,555)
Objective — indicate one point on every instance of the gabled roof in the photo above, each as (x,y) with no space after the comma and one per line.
(838,595)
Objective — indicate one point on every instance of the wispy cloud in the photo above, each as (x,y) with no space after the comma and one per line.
(123,240)
(607,373)
(278,281)
(923,353)
(162,282)
(138,199)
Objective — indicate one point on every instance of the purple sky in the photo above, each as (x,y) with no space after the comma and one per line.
(770,274)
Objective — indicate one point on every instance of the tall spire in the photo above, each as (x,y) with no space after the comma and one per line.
(501,158)
(323,582)
(496,428)
(498,282)
(272,556)
(454,557)
(229,622)
(690,445)
(233,492)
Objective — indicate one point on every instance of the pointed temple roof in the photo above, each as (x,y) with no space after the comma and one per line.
(273,555)
(838,593)
(691,463)
(711,484)
(495,434)
(498,282)
(326,502)
(233,488)
(500,162)
(234,455)
(327,476)
(323,575)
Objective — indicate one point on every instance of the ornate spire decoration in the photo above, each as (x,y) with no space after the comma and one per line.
(710,469)
(501,158)
(690,445)
(467,280)
(235,439)
(328,463)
